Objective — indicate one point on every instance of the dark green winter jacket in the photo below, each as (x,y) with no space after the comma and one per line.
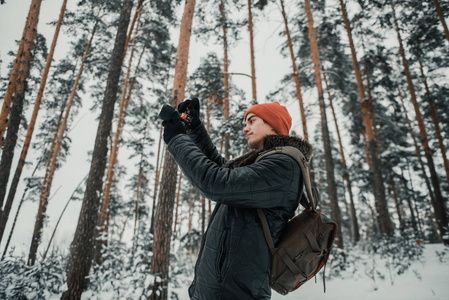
(234,259)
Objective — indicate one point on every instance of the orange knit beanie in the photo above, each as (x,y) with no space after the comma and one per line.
(274,114)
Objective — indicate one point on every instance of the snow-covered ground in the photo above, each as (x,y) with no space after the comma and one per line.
(423,280)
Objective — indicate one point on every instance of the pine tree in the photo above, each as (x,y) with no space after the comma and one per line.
(124,102)
(440,211)
(346,176)
(225,76)
(29,135)
(82,247)
(253,62)
(329,163)
(20,71)
(13,133)
(295,73)
(164,211)
(213,16)
(53,159)
(427,45)
(386,226)
(14,95)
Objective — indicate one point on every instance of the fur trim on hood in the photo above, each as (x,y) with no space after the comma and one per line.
(271,142)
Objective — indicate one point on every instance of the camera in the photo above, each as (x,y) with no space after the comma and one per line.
(167,111)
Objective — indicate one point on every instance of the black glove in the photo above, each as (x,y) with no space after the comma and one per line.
(172,123)
(191,108)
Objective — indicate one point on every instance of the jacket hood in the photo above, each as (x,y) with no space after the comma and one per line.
(270,142)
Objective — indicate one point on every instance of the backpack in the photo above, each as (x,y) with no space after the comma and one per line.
(305,246)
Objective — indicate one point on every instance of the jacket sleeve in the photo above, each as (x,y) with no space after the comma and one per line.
(265,184)
(202,140)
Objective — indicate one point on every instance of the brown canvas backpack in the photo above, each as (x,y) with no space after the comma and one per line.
(306,243)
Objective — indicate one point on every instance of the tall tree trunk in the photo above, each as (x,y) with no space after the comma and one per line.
(329,162)
(18,172)
(253,63)
(164,213)
(53,159)
(433,113)
(370,105)
(156,179)
(124,102)
(385,224)
(227,137)
(295,73)
(365,148)
(441,16)
(354,221)
(15,93)
(440,211)
(178,193)
(131,28)
(7,158)
(82,248)
(20,70)
(37,104)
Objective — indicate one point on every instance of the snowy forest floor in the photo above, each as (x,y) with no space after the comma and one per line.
(398,269)
(426,278)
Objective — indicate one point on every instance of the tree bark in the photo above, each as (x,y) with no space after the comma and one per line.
(440,212)
(82,248)
(385,224)
(53,159)
(354,221)
(253,63)
(19,72)
(124,102)
(178,193)
(164,213)
(18,172)
(15,93)
(295,73)
(7,157)
(227,137)
(156,179)
(329,162)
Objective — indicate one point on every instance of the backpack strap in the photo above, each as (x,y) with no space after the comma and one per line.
(266,230)
(312,193)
